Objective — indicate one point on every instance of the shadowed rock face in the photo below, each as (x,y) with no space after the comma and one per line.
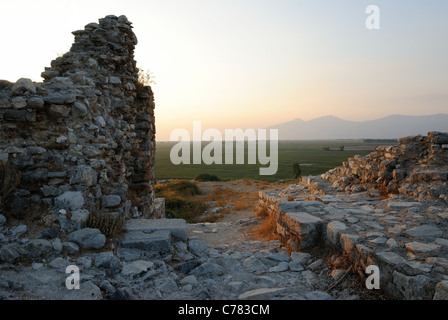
(87,133)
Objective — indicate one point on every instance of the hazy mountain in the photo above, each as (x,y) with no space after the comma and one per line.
(391,127)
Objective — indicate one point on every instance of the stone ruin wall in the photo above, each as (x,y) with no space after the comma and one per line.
(397,194)
(84,138)
(417,167)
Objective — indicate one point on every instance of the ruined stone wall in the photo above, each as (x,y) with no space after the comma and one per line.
(387,209)
(417,167)
(84,138)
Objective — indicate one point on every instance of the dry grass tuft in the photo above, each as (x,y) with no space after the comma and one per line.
(261,212)
(241,200)
(220,194)
(266,231)
(241,205)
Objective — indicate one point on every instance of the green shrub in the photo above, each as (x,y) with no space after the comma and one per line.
(183,188)
(179,200)
(175,203)
(206,177)
(184,209)
(296,169)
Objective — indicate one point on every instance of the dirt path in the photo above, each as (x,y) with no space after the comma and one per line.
(235,225)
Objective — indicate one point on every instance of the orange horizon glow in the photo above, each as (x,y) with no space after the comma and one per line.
(255,63)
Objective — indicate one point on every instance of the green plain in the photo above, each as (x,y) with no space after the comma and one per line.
(313,158)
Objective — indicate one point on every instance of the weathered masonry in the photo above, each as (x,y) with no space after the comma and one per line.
(84,138)
(387,209)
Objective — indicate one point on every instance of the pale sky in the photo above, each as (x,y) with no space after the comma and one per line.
(255,63)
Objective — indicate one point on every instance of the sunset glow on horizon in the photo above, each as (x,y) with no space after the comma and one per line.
(255,63)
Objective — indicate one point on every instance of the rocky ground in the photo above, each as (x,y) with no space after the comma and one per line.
(407,239)
(191,270)
(324,240)
(171,260)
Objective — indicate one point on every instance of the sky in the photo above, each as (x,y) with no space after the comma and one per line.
(255,63)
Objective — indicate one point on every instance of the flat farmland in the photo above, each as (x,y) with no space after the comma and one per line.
(315,157)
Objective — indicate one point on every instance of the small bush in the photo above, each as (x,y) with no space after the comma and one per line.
(179,200)
(175,203)
(184,209)
(297,171)
(145,77)
(183,188)
(206,177)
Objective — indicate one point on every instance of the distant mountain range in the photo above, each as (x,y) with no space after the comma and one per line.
(391,127)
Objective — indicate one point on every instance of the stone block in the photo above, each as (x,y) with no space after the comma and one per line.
(334,229)
(414,287)
(306,226)
(441,291)
(88,238)
(69,200)
(177,227)
(157,240)
(348,242)
(423,248)
(424,231)
(110,201)
(391,258)
(159,208)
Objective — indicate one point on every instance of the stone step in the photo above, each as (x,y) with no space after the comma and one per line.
(297,206)
(177,227)
(304,226)
(158,240)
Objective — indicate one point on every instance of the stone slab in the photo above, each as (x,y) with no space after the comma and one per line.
(159,207)
(159,240)
(441,262)
(177,227)
(292,206)
(390,257)
(306,226)
(421,247)
(398,205)
(425,230)
(334,230)
(441,291)
(348,242)
(262,294)
(442,242)
(304,218)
